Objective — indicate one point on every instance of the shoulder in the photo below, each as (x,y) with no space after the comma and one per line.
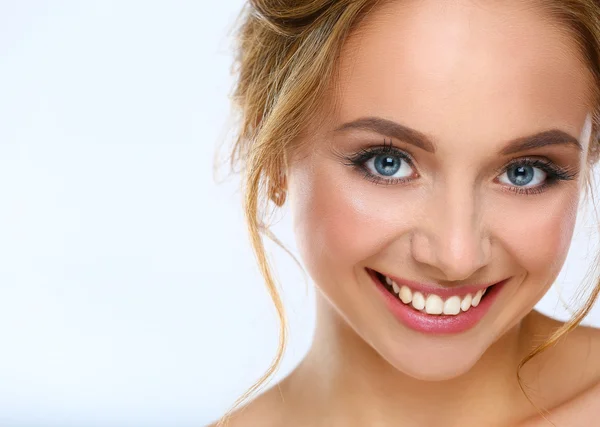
(584,347)
(577,352)
(265,410)
(581,410)
(582,344)
(590,337)
(569,375)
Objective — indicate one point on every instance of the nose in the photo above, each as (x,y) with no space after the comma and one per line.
(453,239)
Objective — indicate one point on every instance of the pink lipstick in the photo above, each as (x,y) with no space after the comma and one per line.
(436,310)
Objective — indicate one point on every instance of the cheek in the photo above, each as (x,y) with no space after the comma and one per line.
(335,225)
(539,238)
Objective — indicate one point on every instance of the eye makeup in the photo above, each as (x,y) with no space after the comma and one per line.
(553,172)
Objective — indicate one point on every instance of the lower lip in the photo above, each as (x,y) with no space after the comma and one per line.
(438,324)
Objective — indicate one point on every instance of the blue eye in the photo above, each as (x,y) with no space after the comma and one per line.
(383,164)
(387,165)
(525,174)
(542,173)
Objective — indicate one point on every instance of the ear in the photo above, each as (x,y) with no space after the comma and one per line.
(278,193)
(278,186)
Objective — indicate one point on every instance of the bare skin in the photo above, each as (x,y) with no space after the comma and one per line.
(565,380)
(471,75)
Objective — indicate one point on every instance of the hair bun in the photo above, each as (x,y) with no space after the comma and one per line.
(290,16)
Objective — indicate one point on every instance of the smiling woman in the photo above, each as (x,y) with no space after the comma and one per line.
(433,155)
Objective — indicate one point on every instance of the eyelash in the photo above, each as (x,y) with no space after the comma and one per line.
(554,173)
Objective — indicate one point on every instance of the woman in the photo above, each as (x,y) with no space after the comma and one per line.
(433,154)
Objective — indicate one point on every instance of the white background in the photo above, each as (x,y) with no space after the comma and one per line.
(129,295)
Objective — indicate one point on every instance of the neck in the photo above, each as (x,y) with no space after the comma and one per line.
(342,377)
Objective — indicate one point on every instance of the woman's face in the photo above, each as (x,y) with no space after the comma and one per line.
(460,194)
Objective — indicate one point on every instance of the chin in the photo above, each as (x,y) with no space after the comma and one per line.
(433,359)
(436,364)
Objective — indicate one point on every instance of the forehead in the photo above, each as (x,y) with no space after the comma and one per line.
(465,68)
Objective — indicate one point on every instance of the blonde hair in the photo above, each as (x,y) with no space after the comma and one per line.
(285,59)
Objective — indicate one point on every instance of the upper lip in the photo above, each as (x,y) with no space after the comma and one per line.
(444,292)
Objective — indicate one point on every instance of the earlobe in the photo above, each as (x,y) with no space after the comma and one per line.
(278,196)
(278,186)
(278,190)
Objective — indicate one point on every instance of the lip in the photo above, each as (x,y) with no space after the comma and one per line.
(438,324)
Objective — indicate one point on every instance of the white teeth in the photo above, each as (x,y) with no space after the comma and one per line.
(452,306)
(418,301)
(466,303)
(477,298)
(434,305)
(405,294)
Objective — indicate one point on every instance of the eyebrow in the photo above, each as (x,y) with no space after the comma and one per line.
(421,140)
